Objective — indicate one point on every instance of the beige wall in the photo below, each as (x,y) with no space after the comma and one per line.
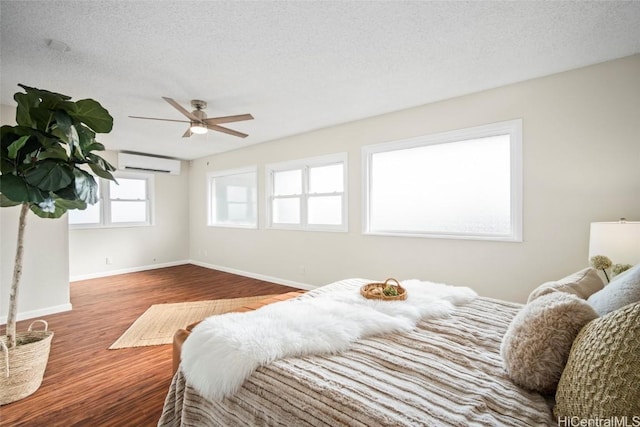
(44,287)
(581,164)
(137,248)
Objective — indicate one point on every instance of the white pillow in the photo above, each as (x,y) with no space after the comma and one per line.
(623,290)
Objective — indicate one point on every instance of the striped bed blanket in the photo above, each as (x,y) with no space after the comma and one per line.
(446,372)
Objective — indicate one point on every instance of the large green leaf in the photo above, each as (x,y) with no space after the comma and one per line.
(54,152)
(74,143)
(56,212)
(71,204)
(63,121)
(6,202)
(16,189)
(86,138)
(95,146)
(86,187)
(10,134)
(16,145)
(102,173)
(25,103)
(48,98)
(41,118)
(13,134)
(60,207)
(68,192)
(100,162)
(100,166)
(94,115)
(49,175)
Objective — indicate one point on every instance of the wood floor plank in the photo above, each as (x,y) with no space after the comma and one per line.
(86,384)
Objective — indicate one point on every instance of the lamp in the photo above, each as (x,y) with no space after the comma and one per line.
(619,241)
(198,128)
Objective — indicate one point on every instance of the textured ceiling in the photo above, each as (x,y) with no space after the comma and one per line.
(296,66)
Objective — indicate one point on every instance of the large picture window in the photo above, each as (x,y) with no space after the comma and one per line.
(127,202)
(308,194)
(233,198)
(460,184)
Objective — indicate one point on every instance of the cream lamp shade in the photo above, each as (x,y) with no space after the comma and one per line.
(619,241)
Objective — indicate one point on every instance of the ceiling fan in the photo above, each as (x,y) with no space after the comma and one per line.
(198,121)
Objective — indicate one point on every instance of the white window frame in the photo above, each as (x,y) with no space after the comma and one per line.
(105,203)
(211,199)
(511,127)
(304,165)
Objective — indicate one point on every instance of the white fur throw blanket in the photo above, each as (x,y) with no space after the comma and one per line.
(222,351)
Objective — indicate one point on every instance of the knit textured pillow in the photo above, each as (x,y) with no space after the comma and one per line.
(537,343)
(602,376)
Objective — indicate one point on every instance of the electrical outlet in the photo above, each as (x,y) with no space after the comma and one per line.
(108,261)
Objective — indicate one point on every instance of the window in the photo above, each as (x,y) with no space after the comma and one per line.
(460,184)
(125,203)
(233,198)
(308,194)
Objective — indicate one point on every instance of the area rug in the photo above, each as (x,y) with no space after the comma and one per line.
(157,325)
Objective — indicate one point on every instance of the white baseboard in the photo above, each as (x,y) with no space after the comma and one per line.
(39,313)
(67,307)
(127,270)
(257,276)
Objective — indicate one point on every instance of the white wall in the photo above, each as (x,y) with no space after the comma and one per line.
(581,164)
(44,287)
(137,248)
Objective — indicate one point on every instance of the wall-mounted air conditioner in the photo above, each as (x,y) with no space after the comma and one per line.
(138,162)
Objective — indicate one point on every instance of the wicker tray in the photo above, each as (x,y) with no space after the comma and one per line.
(376,291)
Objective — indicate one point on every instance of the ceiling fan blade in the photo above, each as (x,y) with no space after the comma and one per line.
(188,133)
(164,120)
(181,109)
(228,119)
(225,130)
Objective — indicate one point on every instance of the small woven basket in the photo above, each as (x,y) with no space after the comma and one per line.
(22,367)
(376,291)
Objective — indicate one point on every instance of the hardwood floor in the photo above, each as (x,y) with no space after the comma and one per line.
(86,384)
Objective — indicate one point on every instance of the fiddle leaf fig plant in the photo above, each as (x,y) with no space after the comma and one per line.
(45,161)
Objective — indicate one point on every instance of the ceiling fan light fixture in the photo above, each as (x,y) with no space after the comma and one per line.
(198,128)
(198,121)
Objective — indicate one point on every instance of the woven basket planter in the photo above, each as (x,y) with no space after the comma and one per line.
(376,291)
(22,367)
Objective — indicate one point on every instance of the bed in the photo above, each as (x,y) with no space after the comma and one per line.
(445,372)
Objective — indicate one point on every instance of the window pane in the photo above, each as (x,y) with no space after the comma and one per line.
(128,211)
(238,212)
(308,194)
(91,215)
(457,187)
(128,189)
(234,199)
(326,210)
(286,211)
(238,194)
(286,183)
(326,179)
